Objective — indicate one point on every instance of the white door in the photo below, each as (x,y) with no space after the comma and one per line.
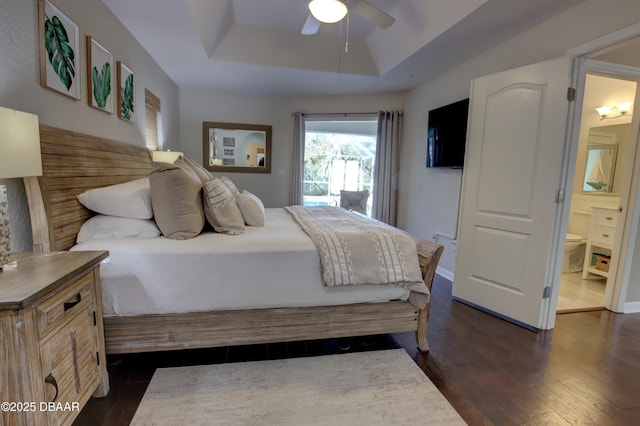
(513,162)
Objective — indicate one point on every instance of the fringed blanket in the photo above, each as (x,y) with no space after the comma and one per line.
(355,250)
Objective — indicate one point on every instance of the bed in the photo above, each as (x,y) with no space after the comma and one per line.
(75,162)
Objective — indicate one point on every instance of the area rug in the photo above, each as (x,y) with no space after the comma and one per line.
(366,388)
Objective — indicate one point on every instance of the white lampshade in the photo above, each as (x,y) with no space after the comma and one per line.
(624,107)
(328,11)
(165,156)
(604,110)
(19,144)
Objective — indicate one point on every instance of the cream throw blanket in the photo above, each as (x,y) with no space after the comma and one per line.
(355,250)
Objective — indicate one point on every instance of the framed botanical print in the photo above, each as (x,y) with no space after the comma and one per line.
(59,40)
(99,81)
(126,93)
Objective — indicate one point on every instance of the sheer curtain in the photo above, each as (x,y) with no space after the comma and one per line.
(385,192)
(297,168)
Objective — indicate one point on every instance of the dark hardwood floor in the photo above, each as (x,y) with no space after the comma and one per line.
(585,371)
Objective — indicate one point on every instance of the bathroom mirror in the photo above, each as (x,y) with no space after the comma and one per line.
(235,147)
(600,168)
(606,157)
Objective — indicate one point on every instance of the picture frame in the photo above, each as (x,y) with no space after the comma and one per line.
(126,93)
(59,51)
(236,147)
(99,78)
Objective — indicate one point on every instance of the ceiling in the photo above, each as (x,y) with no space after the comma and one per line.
(255,46)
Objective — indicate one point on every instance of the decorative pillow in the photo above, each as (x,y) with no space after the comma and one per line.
(232,186)
(102,227)
(176,197)
(251,207)
(221,209)
(130,199)
(198,169)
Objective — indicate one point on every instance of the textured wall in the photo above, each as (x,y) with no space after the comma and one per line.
(20,86)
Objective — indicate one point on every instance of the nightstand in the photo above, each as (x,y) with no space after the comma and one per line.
(51,337)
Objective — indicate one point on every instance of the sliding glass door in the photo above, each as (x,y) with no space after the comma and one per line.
(339,155)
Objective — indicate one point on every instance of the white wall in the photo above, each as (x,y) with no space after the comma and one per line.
(20,86)
(429,199)
(197,106)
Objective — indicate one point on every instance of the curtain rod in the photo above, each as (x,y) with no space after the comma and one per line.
(340,114)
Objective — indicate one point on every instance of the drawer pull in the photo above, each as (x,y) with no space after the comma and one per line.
(69,305)
(52,381)
(605,235)
(609,218)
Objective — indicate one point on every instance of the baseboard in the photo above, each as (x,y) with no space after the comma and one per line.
(448,275)
(631,307)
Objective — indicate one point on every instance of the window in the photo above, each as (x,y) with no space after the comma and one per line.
(153,119)
(339,155)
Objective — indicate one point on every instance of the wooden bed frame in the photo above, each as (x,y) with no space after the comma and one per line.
(74,162)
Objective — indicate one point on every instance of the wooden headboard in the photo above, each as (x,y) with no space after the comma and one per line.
(71,164)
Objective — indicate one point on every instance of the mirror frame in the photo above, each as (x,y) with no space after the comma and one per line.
(612,174)
(207,125)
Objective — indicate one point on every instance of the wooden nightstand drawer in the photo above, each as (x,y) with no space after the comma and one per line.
(52,335)
(69,365)
(53,313)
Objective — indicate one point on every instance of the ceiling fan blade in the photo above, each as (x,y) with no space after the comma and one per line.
(311,26)
(371,13)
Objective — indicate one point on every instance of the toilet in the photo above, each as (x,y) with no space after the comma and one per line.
(573,253)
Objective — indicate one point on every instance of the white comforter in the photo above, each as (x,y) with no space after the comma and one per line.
(266,267)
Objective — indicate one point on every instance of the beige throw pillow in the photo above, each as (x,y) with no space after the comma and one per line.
(251,207)
(232,186)
(198,169)
(221,209)
(176,197)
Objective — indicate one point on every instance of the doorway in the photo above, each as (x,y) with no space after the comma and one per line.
(615,60)
(599,182)
(512,263)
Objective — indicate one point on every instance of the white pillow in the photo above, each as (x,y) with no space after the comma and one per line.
(251,207)
(130,199)
(102,227)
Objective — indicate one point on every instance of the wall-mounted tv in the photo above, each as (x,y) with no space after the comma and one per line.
(447,135)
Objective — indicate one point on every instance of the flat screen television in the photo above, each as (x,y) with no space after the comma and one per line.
(447,135)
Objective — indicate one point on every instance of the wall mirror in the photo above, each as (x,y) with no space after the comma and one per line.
(235,147)
(606,157)
(600,169)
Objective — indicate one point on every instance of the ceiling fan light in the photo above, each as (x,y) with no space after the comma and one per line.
(328,11)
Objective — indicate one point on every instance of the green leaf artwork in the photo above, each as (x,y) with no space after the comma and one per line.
(101,84)
(126,106)
(59,51)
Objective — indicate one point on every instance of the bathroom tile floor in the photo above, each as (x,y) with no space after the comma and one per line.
(578,295)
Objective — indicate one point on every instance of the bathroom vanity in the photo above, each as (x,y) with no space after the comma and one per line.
(602,231)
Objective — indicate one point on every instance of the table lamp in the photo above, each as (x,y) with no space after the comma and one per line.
(19,157)
(165,156)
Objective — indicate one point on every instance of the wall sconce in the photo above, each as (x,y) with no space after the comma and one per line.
(622,108)
(165,156)
(19,157)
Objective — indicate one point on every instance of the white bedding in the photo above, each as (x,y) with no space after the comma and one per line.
(266,267)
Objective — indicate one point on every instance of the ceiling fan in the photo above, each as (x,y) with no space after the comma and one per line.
(331,11)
